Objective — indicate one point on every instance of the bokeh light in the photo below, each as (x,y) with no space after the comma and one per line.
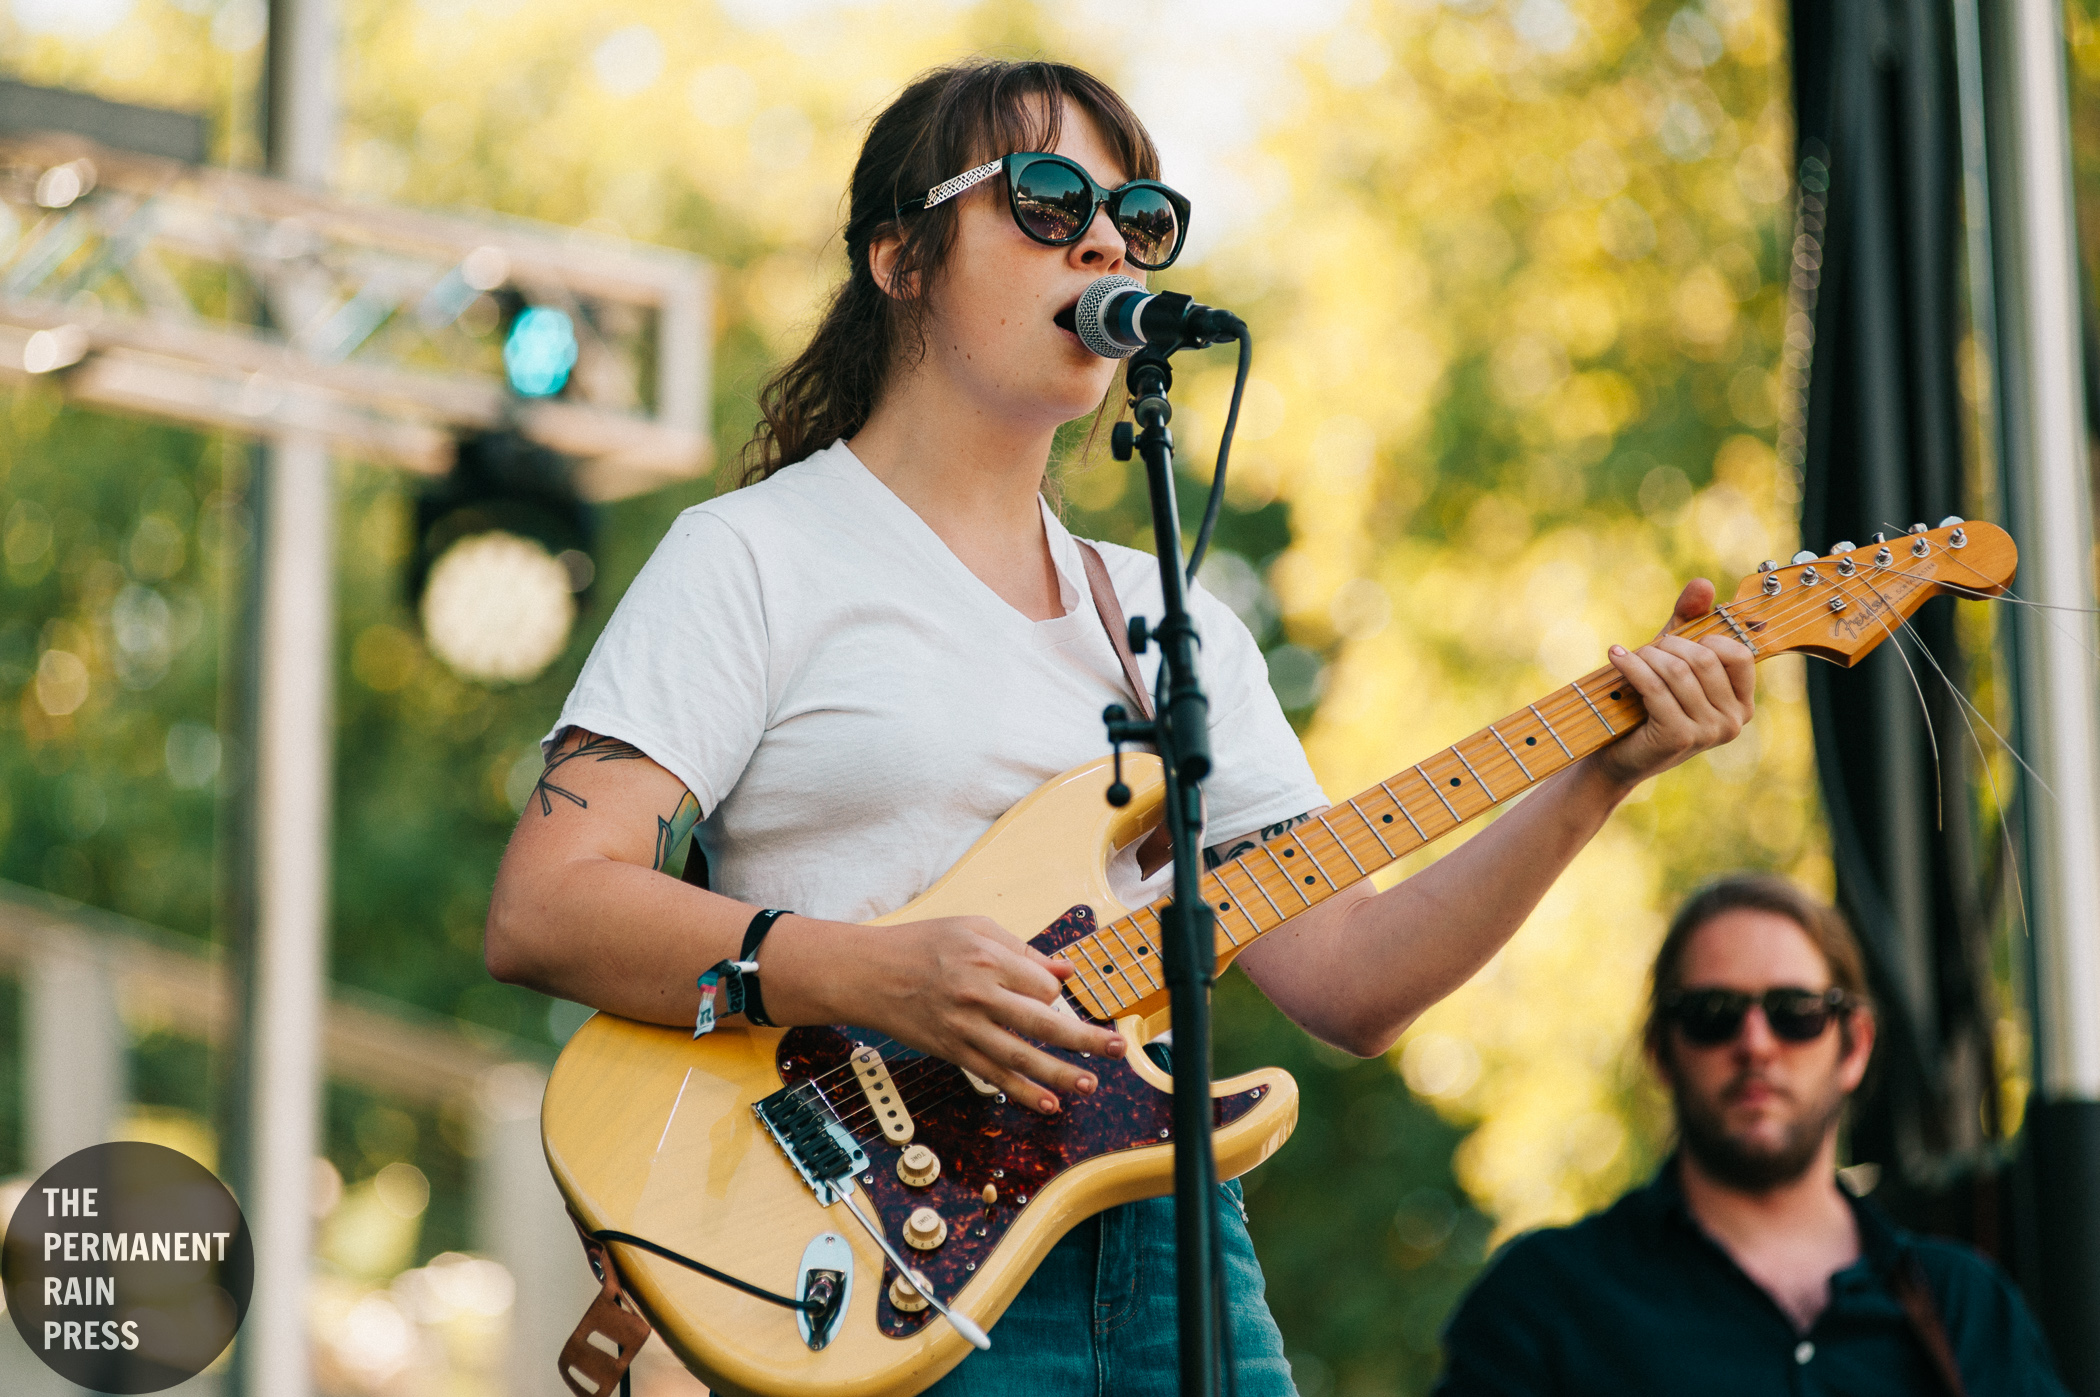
(498,607)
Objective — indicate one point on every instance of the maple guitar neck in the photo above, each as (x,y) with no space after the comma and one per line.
(1837,608)
(1117,968)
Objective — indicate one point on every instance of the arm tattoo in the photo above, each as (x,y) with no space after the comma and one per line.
(1220,854)
(672,832)
(604,749)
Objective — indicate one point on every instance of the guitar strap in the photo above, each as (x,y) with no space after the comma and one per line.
(1111,613)
(1916,1298)
(609,1335)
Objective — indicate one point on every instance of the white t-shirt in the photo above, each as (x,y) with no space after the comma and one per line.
(853,708)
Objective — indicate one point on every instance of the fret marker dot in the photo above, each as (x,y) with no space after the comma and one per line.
(1288,852)
(1144,950)
(1614,693)
(1308,877)
(1387,818)
(1454,780)
(1224,907)
(1531,742)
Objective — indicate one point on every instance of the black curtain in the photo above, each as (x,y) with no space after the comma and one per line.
(1879,128)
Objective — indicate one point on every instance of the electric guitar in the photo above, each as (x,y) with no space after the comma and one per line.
(775,1155)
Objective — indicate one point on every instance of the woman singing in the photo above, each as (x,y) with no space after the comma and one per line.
(842,674)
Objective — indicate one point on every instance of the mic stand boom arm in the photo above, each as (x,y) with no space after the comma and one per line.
(1181,734)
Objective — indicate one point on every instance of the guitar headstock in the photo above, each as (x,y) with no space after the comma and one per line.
(1840,606)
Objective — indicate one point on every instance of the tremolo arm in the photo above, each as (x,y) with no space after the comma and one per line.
(828,1158)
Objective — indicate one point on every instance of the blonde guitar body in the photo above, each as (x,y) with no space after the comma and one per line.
(653,1132)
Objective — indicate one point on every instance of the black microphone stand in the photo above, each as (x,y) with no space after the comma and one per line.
(1181,734)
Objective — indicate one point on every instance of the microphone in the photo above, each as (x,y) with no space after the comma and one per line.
(1117,316)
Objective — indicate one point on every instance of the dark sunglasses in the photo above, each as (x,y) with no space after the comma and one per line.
(1054,202)
(1711,1017)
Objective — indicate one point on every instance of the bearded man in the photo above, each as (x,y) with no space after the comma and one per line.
(1744,1267)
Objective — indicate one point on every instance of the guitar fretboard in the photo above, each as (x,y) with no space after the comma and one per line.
(1118,967)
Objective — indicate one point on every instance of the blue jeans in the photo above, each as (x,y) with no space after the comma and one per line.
(1098,1316)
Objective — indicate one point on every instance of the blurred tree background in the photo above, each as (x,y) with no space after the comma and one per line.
(1516,270)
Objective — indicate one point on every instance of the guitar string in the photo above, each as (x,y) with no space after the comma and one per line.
(2012,863)
(907,1081)
(930,1066)
(1939,790)
(1108,965)
(1803,603)
(1700,627)
(1713,623)
(1969,705)
(903,1079)
(1723,613)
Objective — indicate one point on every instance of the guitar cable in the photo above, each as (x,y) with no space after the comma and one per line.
(756,1292)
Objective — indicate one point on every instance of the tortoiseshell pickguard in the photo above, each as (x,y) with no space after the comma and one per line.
(980,1139)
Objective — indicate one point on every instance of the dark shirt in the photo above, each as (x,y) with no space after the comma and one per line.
(1639,1299)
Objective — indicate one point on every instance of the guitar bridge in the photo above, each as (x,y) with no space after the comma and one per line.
(823,1152)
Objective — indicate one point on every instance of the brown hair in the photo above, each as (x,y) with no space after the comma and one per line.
(1824,926)
(947,121)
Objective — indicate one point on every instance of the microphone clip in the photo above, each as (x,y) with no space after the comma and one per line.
(1189,326)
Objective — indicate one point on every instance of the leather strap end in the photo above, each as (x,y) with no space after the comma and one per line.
(609,1335)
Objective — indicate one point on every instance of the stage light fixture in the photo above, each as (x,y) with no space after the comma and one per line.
(540,351)
(502,559)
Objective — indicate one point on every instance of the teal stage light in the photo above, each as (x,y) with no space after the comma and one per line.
(540,351)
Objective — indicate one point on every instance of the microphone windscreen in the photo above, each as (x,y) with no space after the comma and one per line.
(1090,317)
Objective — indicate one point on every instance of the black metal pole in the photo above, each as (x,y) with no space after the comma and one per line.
(1181,733)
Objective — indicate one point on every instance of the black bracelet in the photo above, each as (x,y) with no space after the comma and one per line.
(754,1003)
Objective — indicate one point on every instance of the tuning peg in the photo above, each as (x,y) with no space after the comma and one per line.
(1806,556)
(1767,565)
(1917,528)
(1881,538)
(1842,546)
(1952,519)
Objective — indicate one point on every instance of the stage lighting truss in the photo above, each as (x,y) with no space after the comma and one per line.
(139,283)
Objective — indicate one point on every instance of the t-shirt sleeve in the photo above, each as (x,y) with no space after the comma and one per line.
(1260,775)
(681,668)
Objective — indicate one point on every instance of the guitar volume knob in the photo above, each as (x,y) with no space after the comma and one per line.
(905,1297)
(925,1229)
(918,1166)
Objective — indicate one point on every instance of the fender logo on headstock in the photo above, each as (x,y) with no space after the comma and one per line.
(1866,612)
(1841,605)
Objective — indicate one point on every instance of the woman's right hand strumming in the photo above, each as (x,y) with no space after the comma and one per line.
(583,911)
(962,989)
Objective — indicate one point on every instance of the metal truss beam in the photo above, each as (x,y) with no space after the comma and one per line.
(136,280)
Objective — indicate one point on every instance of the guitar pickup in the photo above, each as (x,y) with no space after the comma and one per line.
(823,1152)
(883,1097)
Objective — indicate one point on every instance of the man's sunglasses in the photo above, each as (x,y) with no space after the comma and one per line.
(1054,202)
(1711,1017)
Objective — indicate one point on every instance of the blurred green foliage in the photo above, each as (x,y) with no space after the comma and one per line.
(1515,276)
